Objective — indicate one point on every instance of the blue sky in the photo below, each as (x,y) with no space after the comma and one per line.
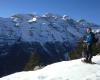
(87,9)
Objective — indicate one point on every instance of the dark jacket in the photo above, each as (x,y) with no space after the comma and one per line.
(89,38)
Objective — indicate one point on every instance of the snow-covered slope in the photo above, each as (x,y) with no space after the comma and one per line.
(66,70)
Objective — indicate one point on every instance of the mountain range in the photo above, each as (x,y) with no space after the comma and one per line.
(50,36)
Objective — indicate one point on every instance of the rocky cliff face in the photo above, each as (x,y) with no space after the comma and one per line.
(50,36)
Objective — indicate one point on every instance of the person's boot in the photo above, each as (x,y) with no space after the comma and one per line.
(89,61)
(85,60)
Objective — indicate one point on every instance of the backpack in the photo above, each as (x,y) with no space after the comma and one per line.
(95,38)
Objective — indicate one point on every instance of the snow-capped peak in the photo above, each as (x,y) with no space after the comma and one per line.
(33,19)
(65,17)
(66,70)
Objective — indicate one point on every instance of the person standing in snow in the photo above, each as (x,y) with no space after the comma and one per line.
(89,40)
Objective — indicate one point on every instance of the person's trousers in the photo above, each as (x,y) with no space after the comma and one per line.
(88,54)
